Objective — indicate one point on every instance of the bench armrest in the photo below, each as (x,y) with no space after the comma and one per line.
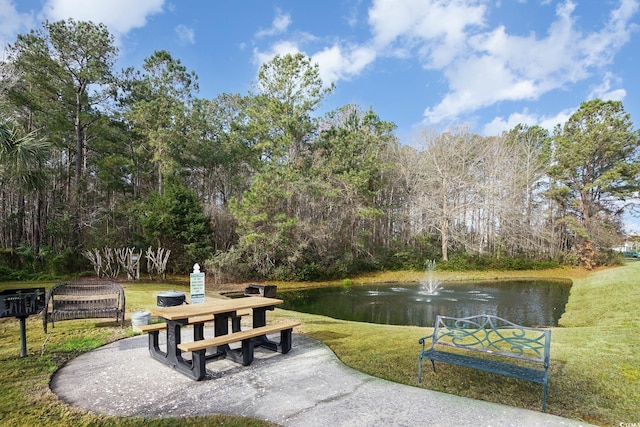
(423,340)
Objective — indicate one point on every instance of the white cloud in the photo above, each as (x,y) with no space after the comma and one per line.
(604,90)
(505,67)
(186,35)
(484,66)
(561,118)
(500,124)
(12,22)
(436,29)
(120,16)
(278,26)
(282,47)
(397,26)
(336,63)
(352,17)
(477,82)
(602,46)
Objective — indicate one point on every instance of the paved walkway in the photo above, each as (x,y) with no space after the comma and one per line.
(307,387)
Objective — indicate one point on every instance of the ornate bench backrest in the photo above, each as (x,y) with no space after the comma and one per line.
(85,296)
(86,288)
(492,334)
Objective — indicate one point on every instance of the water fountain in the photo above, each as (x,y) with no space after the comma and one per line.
(430,285)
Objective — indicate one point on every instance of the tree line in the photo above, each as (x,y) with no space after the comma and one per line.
(260,185)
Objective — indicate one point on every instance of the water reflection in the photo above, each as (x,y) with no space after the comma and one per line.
(526,302)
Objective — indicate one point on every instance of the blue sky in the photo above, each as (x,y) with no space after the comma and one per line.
(488,65)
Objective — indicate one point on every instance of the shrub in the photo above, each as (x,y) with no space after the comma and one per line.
(465,262)
(69,261)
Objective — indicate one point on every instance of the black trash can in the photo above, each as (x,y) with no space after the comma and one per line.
(170,298)
(268,291)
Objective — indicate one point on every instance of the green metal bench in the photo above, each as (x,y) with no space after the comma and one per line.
(492,344)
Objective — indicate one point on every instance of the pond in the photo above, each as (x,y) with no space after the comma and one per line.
(525,302)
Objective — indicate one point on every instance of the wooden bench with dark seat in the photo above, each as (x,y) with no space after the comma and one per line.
(83,300)
(492,344)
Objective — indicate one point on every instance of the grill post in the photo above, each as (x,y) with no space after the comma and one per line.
(23,336)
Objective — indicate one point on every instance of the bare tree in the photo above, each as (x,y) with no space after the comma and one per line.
(95,258)
(129,261)
(157,261)
(110,266)
(448,189)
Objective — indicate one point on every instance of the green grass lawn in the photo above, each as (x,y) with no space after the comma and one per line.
(595,354)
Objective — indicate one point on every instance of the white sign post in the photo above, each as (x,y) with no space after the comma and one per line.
(197,285)
(135,260)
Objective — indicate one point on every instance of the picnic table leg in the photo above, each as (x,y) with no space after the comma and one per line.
(174,354)
(198,335)
(198,331)
(195,369)
(260,316)
(221,327)
(235,324)
(259,320)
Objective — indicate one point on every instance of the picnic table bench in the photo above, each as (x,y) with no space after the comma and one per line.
(492,344)
(83,300)
(249,339)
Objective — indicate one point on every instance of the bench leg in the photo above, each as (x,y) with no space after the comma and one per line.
(247,352)
(154,345)
(198,368)
(433,363)
(283,346)
(285,341)
(244,354)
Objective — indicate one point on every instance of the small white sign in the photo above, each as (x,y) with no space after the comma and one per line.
(197,285)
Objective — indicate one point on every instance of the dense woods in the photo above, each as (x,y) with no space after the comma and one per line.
(261,185)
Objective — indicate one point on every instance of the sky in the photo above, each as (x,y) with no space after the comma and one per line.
(434,64)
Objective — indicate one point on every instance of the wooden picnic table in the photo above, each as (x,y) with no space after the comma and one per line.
(197,314)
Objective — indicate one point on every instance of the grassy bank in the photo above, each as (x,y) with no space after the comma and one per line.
(595,353)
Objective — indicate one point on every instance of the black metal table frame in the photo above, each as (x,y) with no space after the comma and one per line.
(195,368)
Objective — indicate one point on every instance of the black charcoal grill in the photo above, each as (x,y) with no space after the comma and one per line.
(22,303)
